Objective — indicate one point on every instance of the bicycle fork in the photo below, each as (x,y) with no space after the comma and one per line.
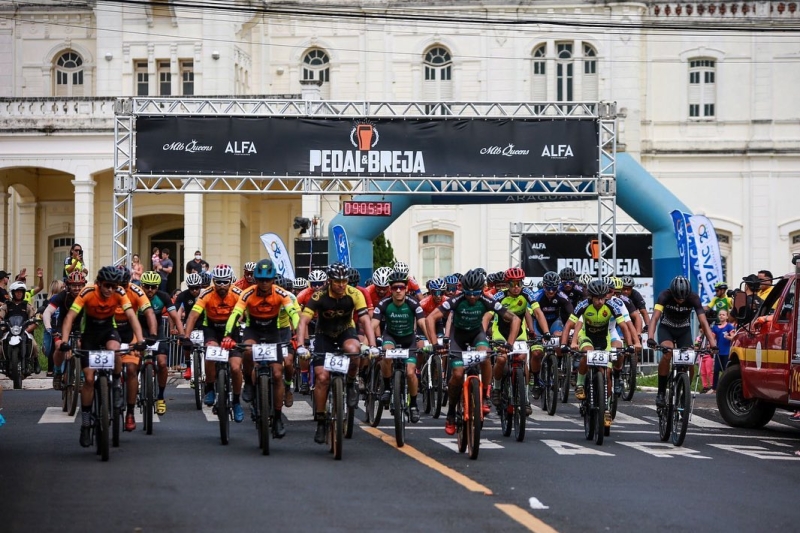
(465,395)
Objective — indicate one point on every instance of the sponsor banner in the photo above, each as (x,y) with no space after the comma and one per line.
(279,255)
(708,264)
(377,147)
(680,222)
(342,246)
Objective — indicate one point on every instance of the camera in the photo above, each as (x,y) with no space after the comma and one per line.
(730,293)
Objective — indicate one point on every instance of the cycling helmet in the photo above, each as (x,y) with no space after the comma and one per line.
(284,283)
(368,282)
(528,283)
(680,287)
(550,280)
(452,279)
(206,279)
(480,271)
(398,277)
(627,281)
(585,279)
(513,274)
(401,267)
(110,274)
(617,283)
(17,286)
(720,285)
(609,281)
(381,276)
(437,284)
(473,280)
(76,277)
(317,276)
(597,288)
(265,269)
(540,285)
(126,274)
(250,266)
(299,284)
(194,280)
(491,278)
(151,278)
(567,275)
(222,273)
(337,271)
(353,276)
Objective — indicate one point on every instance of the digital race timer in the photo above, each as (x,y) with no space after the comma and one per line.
(365,209)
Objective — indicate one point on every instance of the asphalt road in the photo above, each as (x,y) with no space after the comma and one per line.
(182,479)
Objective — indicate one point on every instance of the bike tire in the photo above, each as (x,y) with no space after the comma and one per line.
(599,393)
(665,417)
(197,377)
(337,425)
(264,412)
(425,388)
(681,409)
(374,387)
(67,385)
(76,390)
(16,369)
(349,421)
(506,408)
(520,401)
(222,405)
(566,373)
(148,394)
(629,384)
(551,384)
(398,402)
(474,423)
(461,425)
(614,400)
(437,386)
(103,418)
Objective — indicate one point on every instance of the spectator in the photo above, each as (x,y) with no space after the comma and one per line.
(33,291)
(74,261)
(765,287)
(3,286)
(198,264)
(136,269)
(48,345)
(723,331)
(155,259)
(166,268)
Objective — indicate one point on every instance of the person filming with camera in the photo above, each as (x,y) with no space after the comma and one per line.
(74,262)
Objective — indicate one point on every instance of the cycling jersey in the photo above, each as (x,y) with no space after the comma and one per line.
(515,304)
(243,284)
(375,297)
(556,307)
(61,303)
(161,302)
(262,309)
(400,320)
(185,300)
(678,315)
(217,310)
(96,306)
(595,321)
(370,303)
(575,294)
(138,299)
(467,316)
(335,315)
(638,300)
(284,320)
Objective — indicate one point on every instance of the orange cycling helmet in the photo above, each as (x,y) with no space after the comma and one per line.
(514,274)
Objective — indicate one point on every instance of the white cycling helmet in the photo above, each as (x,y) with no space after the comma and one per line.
(585,279)
(401,267)
(300,283)
(381,276)
(222,273)
(250,266)
(194,280)
(317,276)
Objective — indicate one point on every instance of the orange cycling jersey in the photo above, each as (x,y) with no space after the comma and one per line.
(242,284)
(305,295)
(428,304)
(92,302)
(217,309)
(262,307)
(139,302)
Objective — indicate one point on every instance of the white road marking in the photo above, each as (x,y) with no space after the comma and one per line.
(299,411)
(452,443)
(759,452)
(541,416)
(570,448)
(138,417)
(776,443)
(624,420)
(54,415)
(536,504)
(210,416)
(664,450)
(698,421)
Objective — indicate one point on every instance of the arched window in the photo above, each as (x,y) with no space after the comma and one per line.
(438,83)
(69,75)
(316,66)
(539,75)
(436,251)
(589,73)
(564,72)
(702,89)
(569,68)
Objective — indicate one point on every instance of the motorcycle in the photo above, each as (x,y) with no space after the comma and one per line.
(16,360)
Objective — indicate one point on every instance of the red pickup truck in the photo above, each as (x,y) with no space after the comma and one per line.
(763,371)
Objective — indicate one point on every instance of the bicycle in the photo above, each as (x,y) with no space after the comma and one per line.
(567,374)
(673,418)
(628,376)
(593,406)
(549,374)
(264,354)
(513,399)
(399,403)
(198,367)
(431,385)
(71,380)
(339,417)
(372,392)
(469,410)
(148,385)
(223,387)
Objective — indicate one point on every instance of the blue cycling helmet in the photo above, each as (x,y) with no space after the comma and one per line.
(265,269)
(437,284)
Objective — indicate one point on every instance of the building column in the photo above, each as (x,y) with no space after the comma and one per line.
(26,233)
(193,220)
(84,218)
(4,230)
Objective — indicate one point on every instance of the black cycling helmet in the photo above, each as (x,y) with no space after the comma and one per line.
(284,283)
(353,276)
(627,281)
(265,269)
(550,280)
(110,274)
(473,280)
(567,275)
(398,277)
(597,288)
(680,288)
(126,274)
(338,271)
(205,279)
(491,279)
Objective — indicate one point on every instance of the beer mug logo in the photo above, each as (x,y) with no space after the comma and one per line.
(364,136)
(593,249)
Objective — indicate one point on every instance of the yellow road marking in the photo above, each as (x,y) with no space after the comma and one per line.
(525,518)
(459,478)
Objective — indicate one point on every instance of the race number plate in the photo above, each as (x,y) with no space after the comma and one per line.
(336,363)
(216,353)
(101,360)
(153,347)
(473,358)
(520,347)
(597,358)
(397,354)
(196,337)
(683,357)
(552,342)
(265,352)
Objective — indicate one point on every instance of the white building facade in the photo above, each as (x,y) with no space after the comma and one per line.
(709,113)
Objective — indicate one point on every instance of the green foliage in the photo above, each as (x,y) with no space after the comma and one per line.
(382,252)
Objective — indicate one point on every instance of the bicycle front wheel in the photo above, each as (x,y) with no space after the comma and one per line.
(337,425)
(520,402)
(565,373)
(682,409)
(264,412)
(665,417)
(506,409)
(599,393)
(399,405)
(374,408)
(629,383)
(148,394)
(103,418)
(551,383)
(197,377)
(474,419)
(222,405)
(67,385)
(76,387)
(437,387)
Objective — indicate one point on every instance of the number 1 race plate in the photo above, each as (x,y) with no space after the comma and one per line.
(336,363)
(683,357)
(397,354)
(597,358)
(216,353)
(101,360)
(520,347)
(265,352)
(473,358)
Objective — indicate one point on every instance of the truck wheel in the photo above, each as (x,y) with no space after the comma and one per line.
(737,410)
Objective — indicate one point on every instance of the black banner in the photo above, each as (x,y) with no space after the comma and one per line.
(273,146)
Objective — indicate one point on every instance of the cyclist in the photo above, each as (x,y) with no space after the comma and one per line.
(452,281)
(160,302)
(335,332)
(18,306)
(247,277)
(57,308)
(413,286)
(262,303)
(380,284)
(720,301)
(215,306)
(298,285)
(316,282)
(401,315)
(673,314)
(568,286)
(99,303)
(183,305)
(287,330)
(591,322)
(632,321)
(435,297)
(628,289)
(468,309)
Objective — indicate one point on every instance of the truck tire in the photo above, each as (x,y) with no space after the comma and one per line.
(737,410)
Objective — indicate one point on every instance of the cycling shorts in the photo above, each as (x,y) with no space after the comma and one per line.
(460,340)
(408,341)
(324,344)
(680,337)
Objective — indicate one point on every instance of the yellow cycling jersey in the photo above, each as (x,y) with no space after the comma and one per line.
(595,321)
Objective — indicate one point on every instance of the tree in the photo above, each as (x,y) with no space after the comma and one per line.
(382,252)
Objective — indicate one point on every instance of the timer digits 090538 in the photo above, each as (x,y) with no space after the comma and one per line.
(366,209)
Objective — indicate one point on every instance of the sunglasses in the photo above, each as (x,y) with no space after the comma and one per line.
(317,284)
(437,293)
(222,283)
(452,288)
(473,293)
(78,250)
(150,287)
(398,287)
(515,284)
(108,285)
(381,289)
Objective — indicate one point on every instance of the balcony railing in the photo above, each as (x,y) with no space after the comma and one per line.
(56,114)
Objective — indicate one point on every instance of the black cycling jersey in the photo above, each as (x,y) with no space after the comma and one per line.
(638,300)
(185,300)
(678,315)
(575,294)
(62,302)
(559,306)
